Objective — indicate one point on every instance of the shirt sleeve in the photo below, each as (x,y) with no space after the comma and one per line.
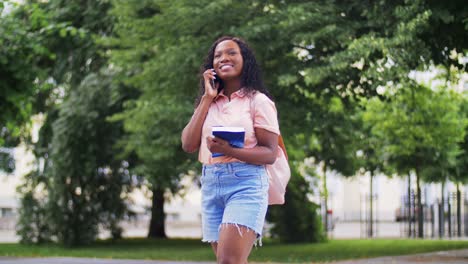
(266,116)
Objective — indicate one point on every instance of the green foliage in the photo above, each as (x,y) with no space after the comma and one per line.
(21,59)
(419,128)
(296,221)
(154,61)
(34,224)
(36,230)
(370,153)
(319,58)
(83,181)
(87,184)
(77,53)
(458,172)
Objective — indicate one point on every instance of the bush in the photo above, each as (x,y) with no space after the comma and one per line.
(297,220)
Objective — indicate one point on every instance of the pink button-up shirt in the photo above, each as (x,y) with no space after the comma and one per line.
(237,112)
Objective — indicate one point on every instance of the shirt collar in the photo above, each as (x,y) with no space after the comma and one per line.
(239,93)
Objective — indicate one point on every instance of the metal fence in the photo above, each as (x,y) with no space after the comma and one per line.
(369,220)
(446,218)
(443,218)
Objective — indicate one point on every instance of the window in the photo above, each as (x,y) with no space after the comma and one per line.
(6,212)
(172,216)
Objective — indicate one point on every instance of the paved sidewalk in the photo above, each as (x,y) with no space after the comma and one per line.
(88,261)
(441,257)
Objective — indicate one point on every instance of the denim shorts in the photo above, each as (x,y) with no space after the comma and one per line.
(233,193)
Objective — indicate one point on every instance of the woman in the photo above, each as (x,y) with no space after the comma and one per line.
(235,185)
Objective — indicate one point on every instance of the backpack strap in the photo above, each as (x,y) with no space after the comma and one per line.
(252,115)
(282,146)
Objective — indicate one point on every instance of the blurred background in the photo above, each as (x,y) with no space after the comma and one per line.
(371,96)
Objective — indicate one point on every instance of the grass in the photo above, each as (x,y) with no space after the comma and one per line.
(194,250)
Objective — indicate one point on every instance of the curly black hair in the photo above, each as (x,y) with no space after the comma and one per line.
(251,79)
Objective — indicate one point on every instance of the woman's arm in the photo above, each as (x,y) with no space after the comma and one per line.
(191,135)
(264,153)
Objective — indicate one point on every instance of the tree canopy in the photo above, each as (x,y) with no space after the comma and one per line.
(116,81)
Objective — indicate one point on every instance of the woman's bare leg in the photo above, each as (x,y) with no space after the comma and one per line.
(235,243)
(214,246)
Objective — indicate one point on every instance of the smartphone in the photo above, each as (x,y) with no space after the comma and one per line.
(213,82)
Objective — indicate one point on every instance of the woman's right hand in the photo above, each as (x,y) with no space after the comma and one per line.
(209,76)
(191,135)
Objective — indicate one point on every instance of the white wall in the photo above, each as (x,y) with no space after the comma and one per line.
(9,182)
(348,196)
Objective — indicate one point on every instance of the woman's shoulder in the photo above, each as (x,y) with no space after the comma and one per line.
(259,97)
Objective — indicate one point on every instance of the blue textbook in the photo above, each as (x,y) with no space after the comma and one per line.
(234,135)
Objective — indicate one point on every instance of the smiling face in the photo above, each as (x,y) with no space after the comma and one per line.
(228,61)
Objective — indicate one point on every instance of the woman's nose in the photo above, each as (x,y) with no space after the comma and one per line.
(223,58)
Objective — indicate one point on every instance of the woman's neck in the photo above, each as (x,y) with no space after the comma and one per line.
(231,87)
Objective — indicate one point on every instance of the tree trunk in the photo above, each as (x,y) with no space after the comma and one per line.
(420,207)
(156,228)
(325,196)
(371,200)
(442,211)
(409,205)
(458,211)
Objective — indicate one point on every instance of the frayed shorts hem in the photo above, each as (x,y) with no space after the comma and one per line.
(258,240)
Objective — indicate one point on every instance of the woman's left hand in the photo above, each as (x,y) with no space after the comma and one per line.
(217,145)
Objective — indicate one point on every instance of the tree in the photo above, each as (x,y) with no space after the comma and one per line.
(164,44)
(23,78)
(154,119)
(419,129)
(340,51)
(458,172)
(382,42)
(315,55)
(369,159)
(87,183)
(82,177)
(23,70)
(332,142)
(319,57)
